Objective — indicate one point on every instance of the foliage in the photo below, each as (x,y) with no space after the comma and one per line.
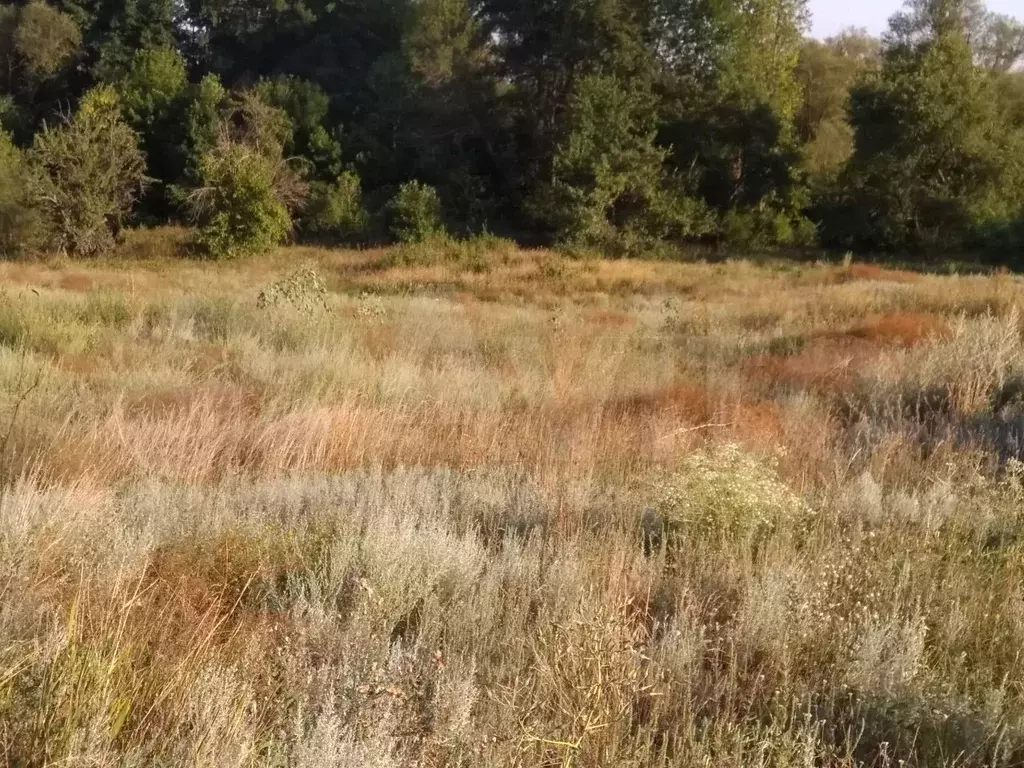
(336,211)
(153,87)
(414,214)
(207,101)
(308,108)
(85,175)
(36,41)
(826,73)
(625,126)
(247,188)
(19,224)
(934,156)
(238,208)
(153,95)
(726,493)
(304,290)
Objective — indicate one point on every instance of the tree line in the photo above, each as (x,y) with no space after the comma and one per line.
(628,127)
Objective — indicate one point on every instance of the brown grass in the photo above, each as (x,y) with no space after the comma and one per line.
(524,511)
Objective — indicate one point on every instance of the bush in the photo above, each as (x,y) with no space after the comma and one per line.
(85,175)
(725,493)
(771,224)
(248,189)
(19,225)
(238,209)
(414,214)
(336,211)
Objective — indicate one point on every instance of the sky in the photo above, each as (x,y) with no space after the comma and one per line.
(831,16)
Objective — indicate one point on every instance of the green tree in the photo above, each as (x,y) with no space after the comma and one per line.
(414,214)
(19,224)
(207,100)
(336,211)
(1000,46)
(114,30)
(154,94)
(934,155)
(608,185)
(308,109)
(826,74)
(85,176)
(38,48)
(731,100)
(37,41)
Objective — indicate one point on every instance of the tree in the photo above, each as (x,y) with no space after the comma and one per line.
(1000,46)
(415,214)
(608,189)
(41,43)
(38,46)
(336,211)
(19,224)
(543,49)
(308,109)
(826,73)
(933,160)
(153,95)
(730,120)
(114,30)
(85,176)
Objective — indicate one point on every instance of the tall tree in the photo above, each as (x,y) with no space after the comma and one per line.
(826,74)
(934,156)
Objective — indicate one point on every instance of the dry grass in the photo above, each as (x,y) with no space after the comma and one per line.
(508,509)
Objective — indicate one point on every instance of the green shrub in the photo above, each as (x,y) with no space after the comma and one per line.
(238,209)
(726,494)
(475,254)
(19,224)
(771,224)
(414,214)
(85,176)
(248,189)
(336,211)
(303,290)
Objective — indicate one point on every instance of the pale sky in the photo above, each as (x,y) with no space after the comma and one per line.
(831,16)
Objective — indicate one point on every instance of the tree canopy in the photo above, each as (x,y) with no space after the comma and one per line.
(631,126)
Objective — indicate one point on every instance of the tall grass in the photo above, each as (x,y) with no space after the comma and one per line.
(516,512)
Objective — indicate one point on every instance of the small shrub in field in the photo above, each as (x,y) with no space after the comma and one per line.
(726,492)
(19,225)
(85,175)
(336,211)
(414,214)
(304,290)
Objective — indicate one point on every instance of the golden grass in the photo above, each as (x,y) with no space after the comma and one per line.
(516,510)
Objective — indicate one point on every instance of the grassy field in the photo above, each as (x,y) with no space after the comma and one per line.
(498,508)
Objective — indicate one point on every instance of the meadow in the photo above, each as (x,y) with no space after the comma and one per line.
(479,506)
